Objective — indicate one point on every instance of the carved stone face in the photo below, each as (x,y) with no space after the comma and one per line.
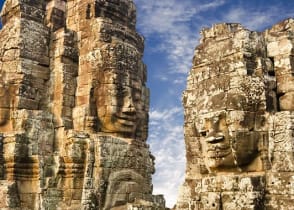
(227,136)
(121,115)
(121,95)
(124,187)
(4,105)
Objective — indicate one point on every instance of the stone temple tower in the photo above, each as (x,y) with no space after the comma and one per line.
(73,107)
(239,120)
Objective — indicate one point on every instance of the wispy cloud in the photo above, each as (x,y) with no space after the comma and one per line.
(156,115)
(170,21)
(257,18)
(172,27)
(167,145)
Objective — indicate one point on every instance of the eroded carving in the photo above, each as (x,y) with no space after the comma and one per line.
(125,186)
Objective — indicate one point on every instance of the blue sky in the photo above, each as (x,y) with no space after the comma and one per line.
(171,30)
(1,4)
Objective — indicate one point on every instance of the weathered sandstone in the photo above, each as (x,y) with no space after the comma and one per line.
(73,107)
(239,120)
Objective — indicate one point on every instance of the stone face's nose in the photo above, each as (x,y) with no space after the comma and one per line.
(128,106)
(215,126)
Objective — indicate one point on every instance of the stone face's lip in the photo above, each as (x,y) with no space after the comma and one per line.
(218,150)
(128,121)
(219,146)
(129,117)
(218,153)
(219,137)
(215,139)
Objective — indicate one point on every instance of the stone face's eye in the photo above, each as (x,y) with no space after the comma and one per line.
(137,93)
(215,120)
(201,122)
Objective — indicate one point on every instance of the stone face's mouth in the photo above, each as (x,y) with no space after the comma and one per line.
(215,139)
(126,123)
(128,120)
(218,153)
(216,146)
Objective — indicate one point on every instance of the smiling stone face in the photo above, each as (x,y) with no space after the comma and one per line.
(225,117)
(121,82)
(225,125)
(227,139)
(122,116)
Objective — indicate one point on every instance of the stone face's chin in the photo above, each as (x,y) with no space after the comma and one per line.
(220,160)
(222,155)
(218,150)
(218,153)
(119,125)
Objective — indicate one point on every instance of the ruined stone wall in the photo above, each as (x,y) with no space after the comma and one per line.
(73,107)
(239,120)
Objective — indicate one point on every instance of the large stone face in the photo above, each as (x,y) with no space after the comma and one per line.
(239,120)
(73,107)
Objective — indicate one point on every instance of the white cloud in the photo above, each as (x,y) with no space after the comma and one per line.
(167,145)
(174,25)
(169,20)
(257,18)
(156,115)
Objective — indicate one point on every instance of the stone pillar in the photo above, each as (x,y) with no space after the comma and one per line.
(73,107)
(239,120)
